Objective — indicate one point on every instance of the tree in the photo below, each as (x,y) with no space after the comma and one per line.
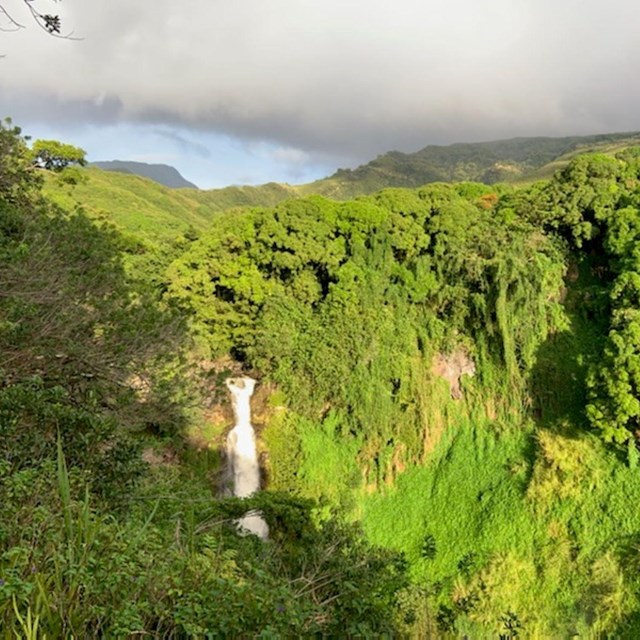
(56,156)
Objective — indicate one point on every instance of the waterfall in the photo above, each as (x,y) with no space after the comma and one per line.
(242,455)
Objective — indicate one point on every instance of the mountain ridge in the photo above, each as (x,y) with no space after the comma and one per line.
(161,173)
(511,160)
(149,209)
(506,160)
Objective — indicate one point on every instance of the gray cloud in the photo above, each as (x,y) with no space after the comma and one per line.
(183,142)
(343,80)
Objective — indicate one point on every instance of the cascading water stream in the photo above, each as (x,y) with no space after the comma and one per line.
(242,455)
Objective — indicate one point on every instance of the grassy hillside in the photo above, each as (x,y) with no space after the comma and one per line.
(266,195)
(134,204)
(606,144)
(147,210)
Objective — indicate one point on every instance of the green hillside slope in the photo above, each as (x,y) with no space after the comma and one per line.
(134,204)
(150,211)
(266,195)
(518,159)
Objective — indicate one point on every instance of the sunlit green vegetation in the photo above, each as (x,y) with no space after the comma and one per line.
(345,306)
(150,212)
(135,205)
(404,495)
(100,536)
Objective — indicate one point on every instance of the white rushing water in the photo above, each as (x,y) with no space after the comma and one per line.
(242,455)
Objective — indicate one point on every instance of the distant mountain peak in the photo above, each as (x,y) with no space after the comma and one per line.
(161,173)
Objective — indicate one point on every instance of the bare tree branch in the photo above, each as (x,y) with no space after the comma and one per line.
(15,25)
(50,23)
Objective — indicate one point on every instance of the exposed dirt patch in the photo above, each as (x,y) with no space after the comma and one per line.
(451,367)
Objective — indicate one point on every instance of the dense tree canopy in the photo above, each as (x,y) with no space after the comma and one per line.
(56,156)
(345,305)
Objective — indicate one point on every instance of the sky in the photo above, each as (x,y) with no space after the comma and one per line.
(252,91)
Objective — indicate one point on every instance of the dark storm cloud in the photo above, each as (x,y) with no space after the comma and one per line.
(336,79)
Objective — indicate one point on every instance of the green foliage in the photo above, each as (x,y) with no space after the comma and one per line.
(93,542)
(266,195)
(584,194)
(140,207)
(138,203)
(33,415)
(69,316)
(633,456)
(612,214)
(175,566)
(344,305)
(516,529)
(86,355)
(429,547)
(594,204)
(56,156)
(326,463)
(616,405)
(512,519)
(16,179)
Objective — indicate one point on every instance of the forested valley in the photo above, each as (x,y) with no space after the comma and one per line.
(447,409)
